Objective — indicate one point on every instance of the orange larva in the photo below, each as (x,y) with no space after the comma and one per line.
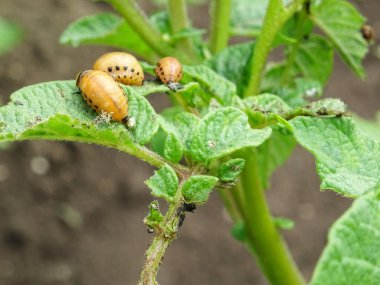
(122,66)
(169,70)
(102,93)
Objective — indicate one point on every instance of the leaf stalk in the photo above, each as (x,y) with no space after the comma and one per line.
(137,19)
(220,25)
(274,19)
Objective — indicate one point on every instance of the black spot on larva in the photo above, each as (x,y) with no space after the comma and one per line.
(162,73)
(160,68)
(90,101)
(117,67)
(130,77)
(125,76)
(133,70)
(118,76)
(138,73)
(110,69)
(125,67)
(96,107)
(85,95)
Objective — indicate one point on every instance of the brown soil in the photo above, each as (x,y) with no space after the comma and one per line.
(72,214)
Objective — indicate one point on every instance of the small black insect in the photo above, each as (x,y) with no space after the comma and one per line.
(181,212)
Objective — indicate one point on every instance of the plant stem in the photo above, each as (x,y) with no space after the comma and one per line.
(263,45)
(220,25)
(161,242)
(156,160)
(291,50)
(140,23)
(178,22)
(275,17)
(271,251)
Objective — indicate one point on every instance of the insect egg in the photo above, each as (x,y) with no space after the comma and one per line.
(122,66)
(103,94)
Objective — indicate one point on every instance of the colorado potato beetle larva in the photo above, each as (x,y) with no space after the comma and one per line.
(102,93)
(169,71)
(122,66)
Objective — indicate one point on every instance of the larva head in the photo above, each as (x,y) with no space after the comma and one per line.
(122,66)
(80,76)
(169,70)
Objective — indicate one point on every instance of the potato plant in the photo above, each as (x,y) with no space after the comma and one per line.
(236,119)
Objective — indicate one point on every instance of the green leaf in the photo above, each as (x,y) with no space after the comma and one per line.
(197,188)
(222,132)
(183,124)
(342,22)
(190,2)
(164,183)
(284,223)
(231,63)
(231,169)
(10,35)
(145,116)
(148,88)
(238,231)
(328,106)
(314,60)
(273,153)
(348,162)
(261,109)
(55,111)
(173,149)
(161,22)
(299,91)
(352,253)
(220,88)
(369,127)
(106,29)
(177,123)
(154,218)
(294,93)
(248,15)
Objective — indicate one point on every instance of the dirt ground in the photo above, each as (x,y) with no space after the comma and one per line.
(72,214)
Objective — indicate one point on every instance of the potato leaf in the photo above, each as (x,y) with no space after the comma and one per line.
(352,254)
(55,111)
(106,29)
(348,162)
(164,183)
(342,22)
(197,188)
(222,132)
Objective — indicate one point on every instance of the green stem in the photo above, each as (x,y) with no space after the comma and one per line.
(140,152)
(220,25)
(275,17)
(140,23)
(156,160)
(161,242)
(271,250)
(178,22)
(293,49)
(229,204)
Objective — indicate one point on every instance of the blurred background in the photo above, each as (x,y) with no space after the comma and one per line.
(72,213)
